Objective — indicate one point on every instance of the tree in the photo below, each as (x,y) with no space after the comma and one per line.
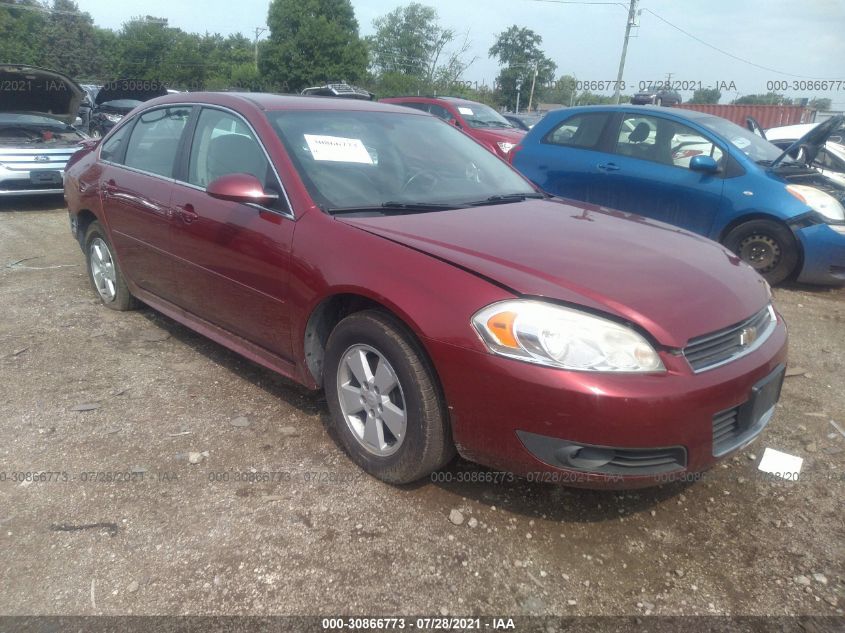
(311,42)
(409,41)
(22,26)
(70,40)
(819,104)
(518,51)
(706,95)
(770,98)
(561,91)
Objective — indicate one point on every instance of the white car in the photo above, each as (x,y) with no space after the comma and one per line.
(37,109)
(830,161)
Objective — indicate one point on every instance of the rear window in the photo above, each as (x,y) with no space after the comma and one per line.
(581,130)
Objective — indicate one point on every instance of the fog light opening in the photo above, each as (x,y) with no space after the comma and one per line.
(584,458)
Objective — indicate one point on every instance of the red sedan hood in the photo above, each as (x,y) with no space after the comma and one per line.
(674,284)
(509,135)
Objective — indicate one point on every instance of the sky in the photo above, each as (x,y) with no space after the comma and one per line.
(794,41)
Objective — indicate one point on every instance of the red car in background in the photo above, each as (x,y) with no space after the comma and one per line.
(439,299)
(480,121)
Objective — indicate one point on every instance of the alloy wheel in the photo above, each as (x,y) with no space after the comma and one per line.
(102,269)
(371,400)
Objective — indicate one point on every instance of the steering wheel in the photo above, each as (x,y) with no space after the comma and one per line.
(419,177)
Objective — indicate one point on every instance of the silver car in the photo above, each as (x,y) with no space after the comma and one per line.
(37,110)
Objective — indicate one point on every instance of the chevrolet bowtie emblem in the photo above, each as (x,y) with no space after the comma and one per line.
(747,336)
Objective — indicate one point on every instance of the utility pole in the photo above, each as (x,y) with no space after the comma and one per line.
(632,13)
(518,90)
(258,31)
(533,81)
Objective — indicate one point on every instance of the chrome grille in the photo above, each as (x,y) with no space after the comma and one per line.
(26,160)
(715,349)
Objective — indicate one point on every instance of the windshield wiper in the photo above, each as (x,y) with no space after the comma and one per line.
(387,207)
(508,198)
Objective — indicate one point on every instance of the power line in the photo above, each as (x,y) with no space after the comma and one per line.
(619,4)
(724,52)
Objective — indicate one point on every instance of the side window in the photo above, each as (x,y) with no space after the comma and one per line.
(223,144)
(686,143)
(662,141)
(155,138)
(828,161)
(638,137)
(581,130)
(415,105)
(112,149)
(441,112)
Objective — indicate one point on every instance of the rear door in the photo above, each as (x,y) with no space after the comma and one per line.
(233,258)
(569,161)
(650,175)
(138,165)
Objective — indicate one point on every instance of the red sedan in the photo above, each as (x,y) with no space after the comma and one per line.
(442,302)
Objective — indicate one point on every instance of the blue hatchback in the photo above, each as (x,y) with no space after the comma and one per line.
(702,173)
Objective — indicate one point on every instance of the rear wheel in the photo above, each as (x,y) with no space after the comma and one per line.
(104,271)
(767,246)
(383,399)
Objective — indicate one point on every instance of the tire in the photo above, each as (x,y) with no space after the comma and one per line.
(365,416)
(104,272)
(95,133)
(769,247)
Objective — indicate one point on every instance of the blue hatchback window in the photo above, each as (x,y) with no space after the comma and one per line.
(581,130)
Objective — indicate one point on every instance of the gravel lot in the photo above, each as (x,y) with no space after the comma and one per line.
(86,390)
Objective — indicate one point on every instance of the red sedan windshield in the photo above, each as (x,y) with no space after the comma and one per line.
(368,159)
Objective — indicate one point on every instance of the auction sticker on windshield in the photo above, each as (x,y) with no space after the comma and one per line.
(338,149)
(467,111)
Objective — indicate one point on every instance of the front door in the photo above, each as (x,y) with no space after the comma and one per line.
(650,172)
(233,258)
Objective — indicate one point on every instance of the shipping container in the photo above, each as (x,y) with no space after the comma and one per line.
(767,115)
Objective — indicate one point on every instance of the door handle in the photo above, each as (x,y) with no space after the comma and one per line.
(608,166)
(186,213)
(110,187)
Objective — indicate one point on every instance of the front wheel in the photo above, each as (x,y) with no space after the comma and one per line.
(104,271)
(384,400)
(767,246)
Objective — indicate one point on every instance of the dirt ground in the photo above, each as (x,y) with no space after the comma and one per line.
(111,408)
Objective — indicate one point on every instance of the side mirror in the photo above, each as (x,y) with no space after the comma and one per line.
(704,164)
(454,122)
(244,188)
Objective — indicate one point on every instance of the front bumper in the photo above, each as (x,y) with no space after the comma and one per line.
(21,184)
(824,255)
(500,406)
(18,182)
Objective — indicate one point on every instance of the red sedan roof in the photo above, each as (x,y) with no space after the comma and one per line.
(268,101)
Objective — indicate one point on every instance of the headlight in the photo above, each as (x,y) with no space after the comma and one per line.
(555,336)
(114,118)
(505,147)
(819,201)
